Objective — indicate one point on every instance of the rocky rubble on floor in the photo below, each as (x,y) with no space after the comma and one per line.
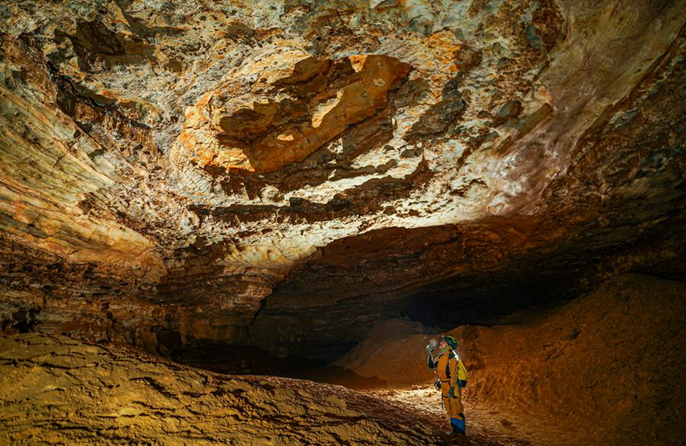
(56,390)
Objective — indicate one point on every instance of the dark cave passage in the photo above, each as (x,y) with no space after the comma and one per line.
(435,311)
(444,310)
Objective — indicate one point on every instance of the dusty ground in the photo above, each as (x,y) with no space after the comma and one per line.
(605,369)
(55,390)
(484,423)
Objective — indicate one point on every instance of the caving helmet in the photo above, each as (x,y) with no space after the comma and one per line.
(451,341)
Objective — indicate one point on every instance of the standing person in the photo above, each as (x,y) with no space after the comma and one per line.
(453,376)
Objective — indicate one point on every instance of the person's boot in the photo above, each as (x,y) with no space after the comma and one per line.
(457,431)
(458,426)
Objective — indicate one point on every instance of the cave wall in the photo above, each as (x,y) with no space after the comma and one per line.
(588,367)
(287,174)
(606,368)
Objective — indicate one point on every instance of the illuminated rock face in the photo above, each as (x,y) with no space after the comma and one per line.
(286,174)
(282,120)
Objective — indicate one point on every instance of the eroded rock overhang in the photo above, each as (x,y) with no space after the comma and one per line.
(164,169)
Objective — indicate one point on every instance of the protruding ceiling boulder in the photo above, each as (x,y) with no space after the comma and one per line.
(281,119)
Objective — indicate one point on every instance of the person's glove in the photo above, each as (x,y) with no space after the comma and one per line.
(451,392)
(437,384)
(429,349)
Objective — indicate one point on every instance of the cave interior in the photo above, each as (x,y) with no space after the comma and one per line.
(314,190)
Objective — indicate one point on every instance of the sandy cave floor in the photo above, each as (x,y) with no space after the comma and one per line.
(142,400)
(57,390)
(485,425)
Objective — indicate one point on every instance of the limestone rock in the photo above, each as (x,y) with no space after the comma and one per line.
(251,172)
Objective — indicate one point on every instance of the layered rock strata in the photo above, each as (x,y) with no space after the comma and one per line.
(181,173)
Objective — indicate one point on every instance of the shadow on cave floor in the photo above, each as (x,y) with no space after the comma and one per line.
(486,425)
(239,360)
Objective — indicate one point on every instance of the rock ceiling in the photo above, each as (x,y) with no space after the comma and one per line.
(166,166)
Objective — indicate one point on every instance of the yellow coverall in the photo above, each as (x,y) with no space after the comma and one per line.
(453,374)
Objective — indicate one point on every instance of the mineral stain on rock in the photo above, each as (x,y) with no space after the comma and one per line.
(279,120)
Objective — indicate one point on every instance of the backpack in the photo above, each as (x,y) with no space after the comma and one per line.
(461,370)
